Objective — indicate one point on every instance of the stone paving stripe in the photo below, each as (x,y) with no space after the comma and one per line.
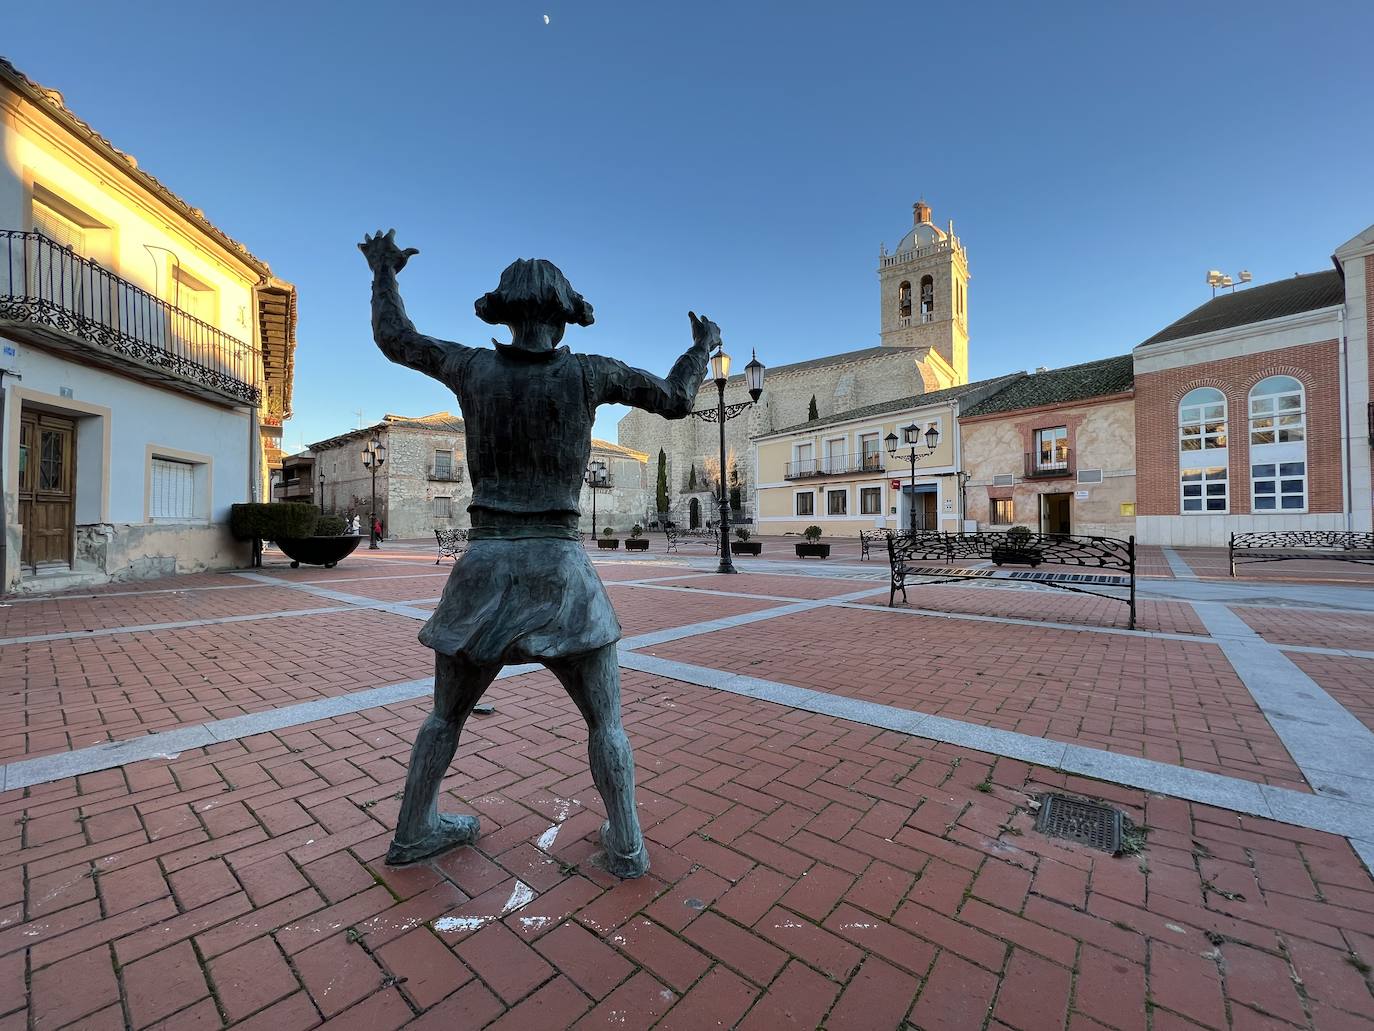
(110,631)
(1177,566)
(395,608)
(1324,739)
(1311,811)
(168,743)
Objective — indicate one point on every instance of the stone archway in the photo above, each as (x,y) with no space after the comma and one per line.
(694,514)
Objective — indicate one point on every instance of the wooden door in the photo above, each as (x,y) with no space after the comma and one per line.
(929,518)
(47,476)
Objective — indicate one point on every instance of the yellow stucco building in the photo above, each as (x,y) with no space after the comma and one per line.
(145,360)
(836,473)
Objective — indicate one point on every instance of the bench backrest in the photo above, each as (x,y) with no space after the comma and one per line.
(1059,549)
(450,538)
(1328,540)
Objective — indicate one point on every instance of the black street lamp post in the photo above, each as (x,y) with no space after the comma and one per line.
(911,436)
(321,492)
(374,455)
(722,413)
(597,478)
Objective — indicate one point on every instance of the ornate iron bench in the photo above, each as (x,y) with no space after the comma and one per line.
(868,538)
(1281,545)
(698,536)
(451,543)
(908,551)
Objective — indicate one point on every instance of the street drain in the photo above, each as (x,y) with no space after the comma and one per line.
(1088,823)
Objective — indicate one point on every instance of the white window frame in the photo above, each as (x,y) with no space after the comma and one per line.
(876,437)
(810,447)
(1288,448)
(1271,410)
(796,504)
(1193,419)
(871,491)
(1280,486)
(1205,476)
(1051,435)
(201,474)
(842,458)
(837,490)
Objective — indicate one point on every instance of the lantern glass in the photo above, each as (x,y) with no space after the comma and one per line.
(720,366)
(367,458)
(380,452)
(932,437)
(753,376)
(891,440)
(911,434)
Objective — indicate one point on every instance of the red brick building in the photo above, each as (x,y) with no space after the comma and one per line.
(1251,410)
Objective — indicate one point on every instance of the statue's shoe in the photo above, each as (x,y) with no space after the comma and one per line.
(449,832)
(624,865)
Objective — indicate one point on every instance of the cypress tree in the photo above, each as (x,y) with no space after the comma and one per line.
(812,414)
(662,480)
(692,478)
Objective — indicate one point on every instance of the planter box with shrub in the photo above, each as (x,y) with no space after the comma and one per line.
(813,548)
(746,547)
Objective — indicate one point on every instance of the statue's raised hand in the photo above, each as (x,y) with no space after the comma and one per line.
(381,251)
(705,333)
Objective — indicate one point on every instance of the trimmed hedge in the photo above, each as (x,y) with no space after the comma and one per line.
(269,522)
(330,526)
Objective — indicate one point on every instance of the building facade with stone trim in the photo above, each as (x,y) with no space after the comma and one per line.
(1251,411)
(423,485)
(835,472)
(146,361)
(920,352)
(1055,451)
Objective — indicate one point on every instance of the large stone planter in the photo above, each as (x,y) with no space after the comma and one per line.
(318,551)
(637,544)
(1017,556)
(813,551)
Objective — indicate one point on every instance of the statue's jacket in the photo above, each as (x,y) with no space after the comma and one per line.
(525,590)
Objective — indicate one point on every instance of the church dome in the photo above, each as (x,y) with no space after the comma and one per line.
(923,234)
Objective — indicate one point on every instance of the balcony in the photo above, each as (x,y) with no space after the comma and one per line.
(52,297)
(446,473)
(1048,467)
(294,490)
(834,465)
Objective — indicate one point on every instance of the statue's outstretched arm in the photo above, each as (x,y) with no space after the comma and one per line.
(672,396)
(395,334)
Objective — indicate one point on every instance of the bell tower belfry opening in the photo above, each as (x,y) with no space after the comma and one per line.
(923,290)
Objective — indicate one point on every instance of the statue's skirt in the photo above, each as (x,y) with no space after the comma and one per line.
(530,600)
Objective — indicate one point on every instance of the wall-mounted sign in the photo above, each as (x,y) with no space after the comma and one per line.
(1080,495)
(896,484)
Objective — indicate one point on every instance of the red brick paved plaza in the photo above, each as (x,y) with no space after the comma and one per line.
(812,865)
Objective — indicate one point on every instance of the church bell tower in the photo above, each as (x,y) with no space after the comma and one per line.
(923,288)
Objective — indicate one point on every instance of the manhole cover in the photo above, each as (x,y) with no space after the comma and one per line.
(1088,823)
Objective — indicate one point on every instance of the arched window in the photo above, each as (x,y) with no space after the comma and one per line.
(1278,445)
(927,295)
(1202,454)
(904,300)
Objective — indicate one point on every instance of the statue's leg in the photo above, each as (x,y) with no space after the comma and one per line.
(422,830)
(593,681)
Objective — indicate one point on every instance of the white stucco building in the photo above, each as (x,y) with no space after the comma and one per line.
(145,361)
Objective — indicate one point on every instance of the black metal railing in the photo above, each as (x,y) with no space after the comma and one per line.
(446,473)
(1041,466)
(46,283)
(834,465)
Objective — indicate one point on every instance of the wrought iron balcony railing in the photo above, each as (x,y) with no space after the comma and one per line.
(69,302)
(1044,467)
(835,465)
(446,474)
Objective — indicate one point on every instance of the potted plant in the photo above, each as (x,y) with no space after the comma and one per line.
(637,541)
(744,546)
(298,530)
(608,540)
(1017,549)
(813,547)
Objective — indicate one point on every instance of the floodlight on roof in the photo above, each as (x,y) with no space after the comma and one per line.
(1217,278)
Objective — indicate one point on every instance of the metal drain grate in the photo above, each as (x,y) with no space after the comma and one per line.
(1088,823)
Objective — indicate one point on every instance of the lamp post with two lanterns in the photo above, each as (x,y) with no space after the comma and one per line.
(911,436)
(597,479)
(722,413)
(374,455)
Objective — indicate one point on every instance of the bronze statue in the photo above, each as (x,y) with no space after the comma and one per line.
(525,590)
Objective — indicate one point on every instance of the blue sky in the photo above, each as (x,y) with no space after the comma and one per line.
(741,159)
